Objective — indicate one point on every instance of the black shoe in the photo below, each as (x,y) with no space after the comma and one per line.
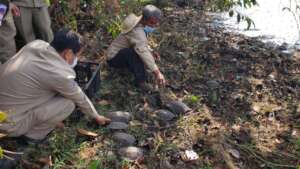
(145,87)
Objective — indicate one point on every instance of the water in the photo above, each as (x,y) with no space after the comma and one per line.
(271,22)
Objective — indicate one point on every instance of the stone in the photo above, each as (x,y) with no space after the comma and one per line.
(212,84)
(131,153)
(178,107)
(119,116)
(141,115)
(117,126)
(124,139)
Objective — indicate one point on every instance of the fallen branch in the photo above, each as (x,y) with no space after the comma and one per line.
(251,151)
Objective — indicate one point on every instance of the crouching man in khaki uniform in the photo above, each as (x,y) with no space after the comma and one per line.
(34,20)
(7,32)
(131,50)
(38,90)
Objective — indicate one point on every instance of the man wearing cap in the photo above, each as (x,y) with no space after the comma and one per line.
(38,90)
(34,20)
(7,30)
(131,50)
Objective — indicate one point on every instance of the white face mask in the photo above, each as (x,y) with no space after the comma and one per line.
(75,61)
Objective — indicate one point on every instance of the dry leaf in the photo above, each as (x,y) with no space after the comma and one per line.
(46,160)
(87,133)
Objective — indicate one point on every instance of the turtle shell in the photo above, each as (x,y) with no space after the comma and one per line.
(164,115)
(119,116)
(117,126)
(124,139)
(178,107)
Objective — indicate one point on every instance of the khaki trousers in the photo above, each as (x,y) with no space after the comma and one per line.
(34,23)
(40,121)
(7,38)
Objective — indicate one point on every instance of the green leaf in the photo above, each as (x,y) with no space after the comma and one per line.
(3,116)
(1,153)
(48,2)
(194,99)
(94,164)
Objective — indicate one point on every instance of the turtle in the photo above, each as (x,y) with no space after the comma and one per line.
(124,139)
(164,115)
(119,116)
(117,126)
(178,107)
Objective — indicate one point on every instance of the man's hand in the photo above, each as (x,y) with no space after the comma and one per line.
(160,79)
(15,10)
(156,56)
(101,120)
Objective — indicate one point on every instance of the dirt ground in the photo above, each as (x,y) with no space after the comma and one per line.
(244,96)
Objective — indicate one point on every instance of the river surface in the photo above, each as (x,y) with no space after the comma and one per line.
(272,23)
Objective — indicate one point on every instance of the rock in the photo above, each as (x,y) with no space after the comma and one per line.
(284,46)
(297,46)
(131,153)
(161,3)
(287,53)
(153,99)
(140,115)
(235,153)
(124,139)
(165,164)
(212,84)
(189,155)
(295,81)
(181,3)
(164,115)
(117,126)
(178,107)
(203,39)
(119,116)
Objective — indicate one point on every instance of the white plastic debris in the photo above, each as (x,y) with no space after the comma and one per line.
(235,153)
(190,155)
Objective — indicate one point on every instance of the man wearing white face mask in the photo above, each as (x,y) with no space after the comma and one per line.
(130,49)
(38,90)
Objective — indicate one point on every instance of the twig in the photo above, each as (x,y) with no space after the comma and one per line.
(10,158)
(10,152)
(245,148)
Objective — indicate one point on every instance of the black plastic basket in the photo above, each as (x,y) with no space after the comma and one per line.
(88,77)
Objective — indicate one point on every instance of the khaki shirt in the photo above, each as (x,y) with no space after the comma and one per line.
(34,76)
(7,37)
(137,39)
(30,3)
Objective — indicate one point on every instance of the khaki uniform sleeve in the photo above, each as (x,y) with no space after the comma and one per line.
(139,41)
(68,88)
(30,3)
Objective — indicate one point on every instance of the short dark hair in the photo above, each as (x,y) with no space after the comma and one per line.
(151,11)
(67,39)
